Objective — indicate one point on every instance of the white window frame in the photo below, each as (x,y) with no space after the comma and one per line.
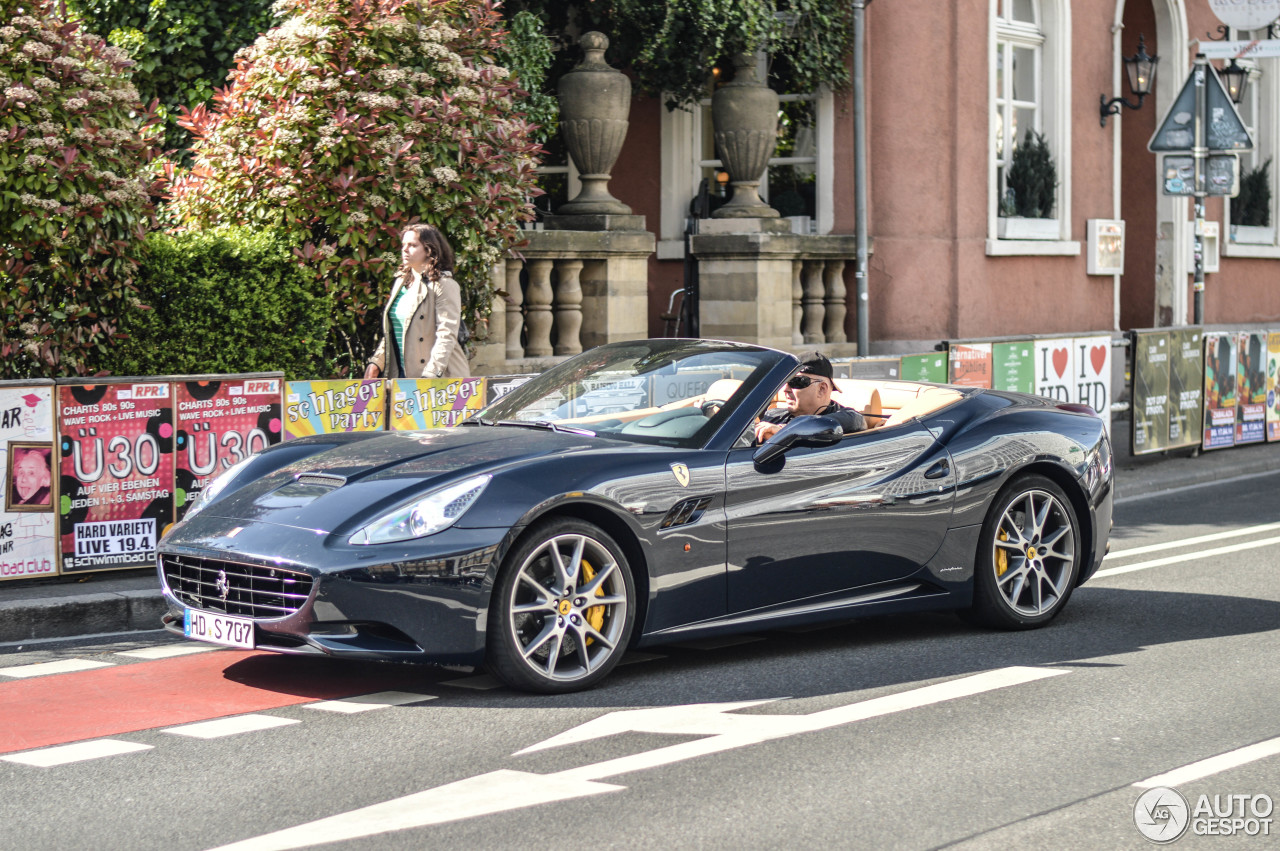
(682,165)
(1053,116)
(1263,93)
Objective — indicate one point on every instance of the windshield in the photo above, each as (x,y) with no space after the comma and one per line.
(668,392)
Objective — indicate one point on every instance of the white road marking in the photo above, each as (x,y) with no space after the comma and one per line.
(62,666)
(166,651)
(78,752)
(1201,554)
(480,682)
(504,790)
(365,702)
(716,642)
(1213,765)
(235,725)
(1191,542)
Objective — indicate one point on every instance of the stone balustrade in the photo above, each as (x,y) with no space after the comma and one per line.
(750,273)
(567,290)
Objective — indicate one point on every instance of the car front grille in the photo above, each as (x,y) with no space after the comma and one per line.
(232,588)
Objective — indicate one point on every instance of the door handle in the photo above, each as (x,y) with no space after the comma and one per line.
(938,470)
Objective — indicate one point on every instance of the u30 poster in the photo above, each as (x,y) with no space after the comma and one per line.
(28,546)
(222,421)
(115,444)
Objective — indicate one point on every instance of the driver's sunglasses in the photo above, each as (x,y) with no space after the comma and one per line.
(799,382)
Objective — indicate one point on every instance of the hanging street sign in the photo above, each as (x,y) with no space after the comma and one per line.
(1223,129)
(1261,48)
(1221,174)
(1245,14)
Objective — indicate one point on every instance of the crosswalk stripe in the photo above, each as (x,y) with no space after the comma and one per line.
(365,702)
(220,727)
(62,666)
(1213,765)
(78,752)
(1196,556)
(1191,542)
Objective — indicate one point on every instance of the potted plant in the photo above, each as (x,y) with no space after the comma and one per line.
(1031,185)
(1251,209)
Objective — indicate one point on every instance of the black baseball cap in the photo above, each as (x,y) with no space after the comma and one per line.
(814,362)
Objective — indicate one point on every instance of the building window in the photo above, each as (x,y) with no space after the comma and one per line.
(1251,225)
(797,182)
(1029,89)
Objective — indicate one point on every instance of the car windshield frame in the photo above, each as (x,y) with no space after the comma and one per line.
(639,391)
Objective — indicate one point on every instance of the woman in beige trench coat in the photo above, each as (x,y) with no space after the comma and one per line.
(421,319)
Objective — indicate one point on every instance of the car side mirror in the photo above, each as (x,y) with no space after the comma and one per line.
(802,431)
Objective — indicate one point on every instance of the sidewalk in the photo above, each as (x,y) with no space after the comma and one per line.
(130,600)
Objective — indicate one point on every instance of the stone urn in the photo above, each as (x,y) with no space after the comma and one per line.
(744,114)
(595,101)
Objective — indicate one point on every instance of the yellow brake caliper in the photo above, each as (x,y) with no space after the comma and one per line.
(1002,557)
(595,614)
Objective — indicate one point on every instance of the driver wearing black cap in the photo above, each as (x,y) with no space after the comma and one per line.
(808,392)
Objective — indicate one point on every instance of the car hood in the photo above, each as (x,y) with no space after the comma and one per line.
(349,484)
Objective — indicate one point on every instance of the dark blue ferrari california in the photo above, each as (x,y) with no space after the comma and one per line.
(618,500)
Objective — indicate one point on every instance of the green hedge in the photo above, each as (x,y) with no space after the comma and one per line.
(225,300)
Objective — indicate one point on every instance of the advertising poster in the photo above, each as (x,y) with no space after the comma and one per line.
(1013,367)
(419,403)
(1186,387)
(115,492)
(28,546)
(1251,387)
(1273,385)
(497,386)
(1093,374)
(1219,390)
(612,395)
(1056,369)
(221,421)
(328,407)
(869,368)
(1151,392)
(970,364)
(930,367)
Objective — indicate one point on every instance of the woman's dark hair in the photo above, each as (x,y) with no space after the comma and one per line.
(439,252)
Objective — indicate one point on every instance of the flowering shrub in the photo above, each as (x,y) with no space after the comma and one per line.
(355,118)
(74,183)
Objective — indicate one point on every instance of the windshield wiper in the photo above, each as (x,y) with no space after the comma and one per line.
(548,425)
(476,421)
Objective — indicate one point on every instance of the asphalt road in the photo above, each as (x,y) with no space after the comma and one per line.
(906,732)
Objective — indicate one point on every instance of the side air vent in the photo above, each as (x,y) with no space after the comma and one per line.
(686,511)
(324,480)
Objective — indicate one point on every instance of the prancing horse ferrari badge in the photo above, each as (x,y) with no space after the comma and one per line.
(682,474)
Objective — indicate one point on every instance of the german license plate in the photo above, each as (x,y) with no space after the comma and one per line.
(218,629)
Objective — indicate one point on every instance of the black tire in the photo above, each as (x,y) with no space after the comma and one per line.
(1029,556)
(562,610)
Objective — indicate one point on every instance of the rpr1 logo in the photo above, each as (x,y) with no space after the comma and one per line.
(1163,815)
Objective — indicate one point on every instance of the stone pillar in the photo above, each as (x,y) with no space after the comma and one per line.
(538,300)
(515,308)
(814,304)
(746,272)
(568,307)
(833,284)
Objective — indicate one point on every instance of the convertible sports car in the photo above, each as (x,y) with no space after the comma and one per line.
(617,501)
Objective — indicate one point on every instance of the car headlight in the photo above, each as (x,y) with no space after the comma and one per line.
(426,515)
(210,491)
